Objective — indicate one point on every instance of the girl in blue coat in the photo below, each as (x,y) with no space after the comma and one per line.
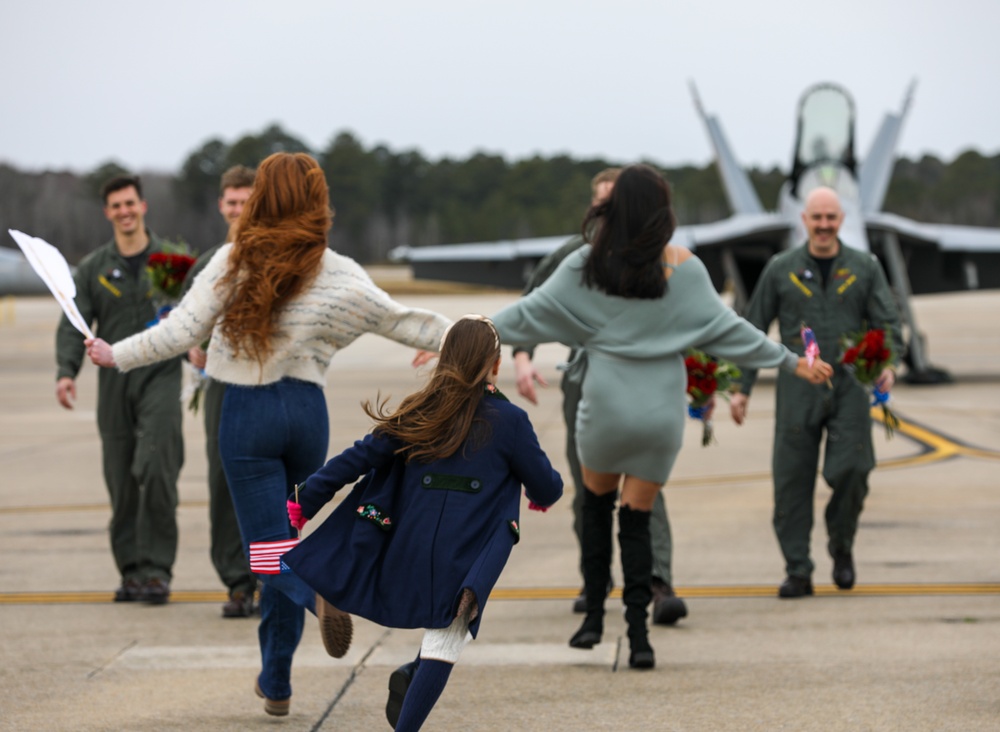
(424,536)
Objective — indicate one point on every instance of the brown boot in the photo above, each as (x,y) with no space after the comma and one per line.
(274,707)
(156,592)
(667,607)
(335,627)
(240,605)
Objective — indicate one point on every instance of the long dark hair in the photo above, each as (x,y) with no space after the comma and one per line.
(628,233)
(435,421)
(279,248)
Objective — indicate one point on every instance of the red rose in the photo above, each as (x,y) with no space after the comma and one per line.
(872,344)
(851,355)
(181,263)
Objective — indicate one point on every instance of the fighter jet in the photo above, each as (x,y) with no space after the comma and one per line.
(917,257)
(16,275)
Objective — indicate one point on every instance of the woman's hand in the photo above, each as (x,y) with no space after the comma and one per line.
(527,376)
(198,357)
(819,372)
(738,407)
(423,357)
(100,352)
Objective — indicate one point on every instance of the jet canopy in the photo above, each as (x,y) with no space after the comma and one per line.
(825,131)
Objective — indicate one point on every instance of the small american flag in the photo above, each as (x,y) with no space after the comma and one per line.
(265,556)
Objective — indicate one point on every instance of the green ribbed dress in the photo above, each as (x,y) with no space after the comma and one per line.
(633,406)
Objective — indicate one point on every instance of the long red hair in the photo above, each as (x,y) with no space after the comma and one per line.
(278,250)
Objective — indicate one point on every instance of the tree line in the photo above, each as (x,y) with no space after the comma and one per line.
(385,198)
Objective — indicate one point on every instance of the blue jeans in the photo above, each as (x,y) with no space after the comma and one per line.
(270,438)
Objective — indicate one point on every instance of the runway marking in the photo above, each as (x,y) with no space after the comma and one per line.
(556,593)
(936,445)
(312,655)
(933,447)
(159,658)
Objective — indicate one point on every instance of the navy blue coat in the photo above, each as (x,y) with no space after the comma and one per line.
(410,537)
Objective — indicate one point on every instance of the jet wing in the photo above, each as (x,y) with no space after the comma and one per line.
(735,250)
(943,257)
(949,237)
(506,264)
(737,228)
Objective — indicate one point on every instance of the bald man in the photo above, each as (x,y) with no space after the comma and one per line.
(834,290)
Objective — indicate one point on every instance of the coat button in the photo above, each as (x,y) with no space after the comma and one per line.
(474,485)
(427,480)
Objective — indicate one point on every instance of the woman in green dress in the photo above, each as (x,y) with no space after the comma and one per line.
(632,304)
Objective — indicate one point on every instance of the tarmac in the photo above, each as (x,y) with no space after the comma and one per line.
(915,646)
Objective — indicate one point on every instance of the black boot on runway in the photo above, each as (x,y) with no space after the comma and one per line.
(598,517)
(637,564)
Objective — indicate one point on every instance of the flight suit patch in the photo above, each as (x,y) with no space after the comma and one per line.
(847,283)
(798,283)
(106,283)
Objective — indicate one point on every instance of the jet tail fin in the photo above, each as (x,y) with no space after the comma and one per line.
(739,190)
(876,169)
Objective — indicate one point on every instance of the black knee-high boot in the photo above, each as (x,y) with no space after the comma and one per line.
(598,516)
(637,565)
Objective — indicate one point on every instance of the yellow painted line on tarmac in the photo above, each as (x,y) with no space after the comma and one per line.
(742,591)
(554,593)
(937,445)
(80,507)
(934,447)
(100,598)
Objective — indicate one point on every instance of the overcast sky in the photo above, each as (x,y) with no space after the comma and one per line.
(147,83)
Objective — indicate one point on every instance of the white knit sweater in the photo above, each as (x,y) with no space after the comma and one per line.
(341,304)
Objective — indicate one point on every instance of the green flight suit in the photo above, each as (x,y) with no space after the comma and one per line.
(227,553)
(856,297)
(659,525)
(138,415)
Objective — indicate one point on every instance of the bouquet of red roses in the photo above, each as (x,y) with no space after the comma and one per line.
(707,375)
(167,271)
(866,355)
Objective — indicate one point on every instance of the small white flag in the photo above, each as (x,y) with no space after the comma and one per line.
(51,266)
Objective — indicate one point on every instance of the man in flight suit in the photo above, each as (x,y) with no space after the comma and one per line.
(138,413)
(835,291)
(227,545)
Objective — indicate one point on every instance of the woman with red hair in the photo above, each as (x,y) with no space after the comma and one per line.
(278,305)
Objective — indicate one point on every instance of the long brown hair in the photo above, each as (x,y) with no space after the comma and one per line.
(629,232)
(279,247)
(435,421)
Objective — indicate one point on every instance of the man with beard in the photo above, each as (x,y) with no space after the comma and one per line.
(834,290)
